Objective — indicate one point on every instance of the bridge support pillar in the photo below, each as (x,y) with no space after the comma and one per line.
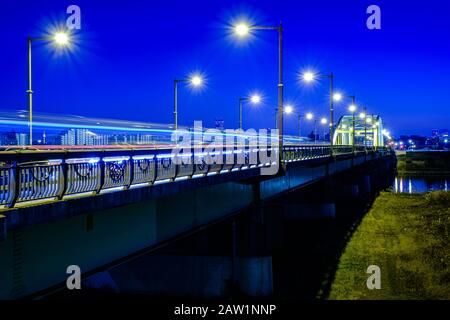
(175,274)
(301,211)
(347,191)
(365,185)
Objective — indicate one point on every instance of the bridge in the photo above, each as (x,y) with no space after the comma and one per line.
(93,207)
(367,131)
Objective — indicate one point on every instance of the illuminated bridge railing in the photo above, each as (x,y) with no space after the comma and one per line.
(31,176)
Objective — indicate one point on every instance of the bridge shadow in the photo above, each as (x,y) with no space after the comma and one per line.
(295,259)
(305,266)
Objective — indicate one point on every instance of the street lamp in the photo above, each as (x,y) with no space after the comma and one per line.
(363,115)
(310,76)
(255,99)
(290,110)
(337,97)
(195,81)
(310,116)
(353,109)
(61,39)
(243,30)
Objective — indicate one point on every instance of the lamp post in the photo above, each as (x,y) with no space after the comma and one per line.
(352,109)
(255,99)
(309,116)
(363,116)
(369,122)
(196,81)
(300,116)
(61,39)
(310,77)
(243,30)
(315,131)
(324,122)
(365,129)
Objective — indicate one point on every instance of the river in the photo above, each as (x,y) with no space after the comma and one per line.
(420,184)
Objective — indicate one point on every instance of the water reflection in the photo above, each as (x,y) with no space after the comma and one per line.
(420,184)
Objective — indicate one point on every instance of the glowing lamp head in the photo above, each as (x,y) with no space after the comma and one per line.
(337,97)
(309,76)
(309,116)
(196,81)
(352,108)
(242,30)
(323,121)
(61,39)
(288,109)
(255,99)
(362,115)
(369,120)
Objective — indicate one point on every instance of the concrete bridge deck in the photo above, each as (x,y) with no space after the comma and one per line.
(136,201)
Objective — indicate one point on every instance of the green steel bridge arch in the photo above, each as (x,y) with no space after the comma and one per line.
(368,131)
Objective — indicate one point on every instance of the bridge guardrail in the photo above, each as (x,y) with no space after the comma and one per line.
(57,175)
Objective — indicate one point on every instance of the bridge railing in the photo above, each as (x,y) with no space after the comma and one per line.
(35,176)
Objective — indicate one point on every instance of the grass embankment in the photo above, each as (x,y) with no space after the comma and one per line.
(407,236)
(425,162)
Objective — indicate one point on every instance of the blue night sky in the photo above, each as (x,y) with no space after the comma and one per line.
(128,54)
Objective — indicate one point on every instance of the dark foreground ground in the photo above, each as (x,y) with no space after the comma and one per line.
(405,235)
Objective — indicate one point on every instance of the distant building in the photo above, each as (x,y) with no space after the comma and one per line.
(8,139)
(439,136)
(443,133)
(22,139)
(434,133)
(68,139)
(86,137)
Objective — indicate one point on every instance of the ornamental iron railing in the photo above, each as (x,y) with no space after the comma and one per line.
(31,176)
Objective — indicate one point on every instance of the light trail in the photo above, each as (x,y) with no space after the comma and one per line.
(48,122)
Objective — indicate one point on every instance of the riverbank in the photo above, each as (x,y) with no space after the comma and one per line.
(407,236)
(418,163)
